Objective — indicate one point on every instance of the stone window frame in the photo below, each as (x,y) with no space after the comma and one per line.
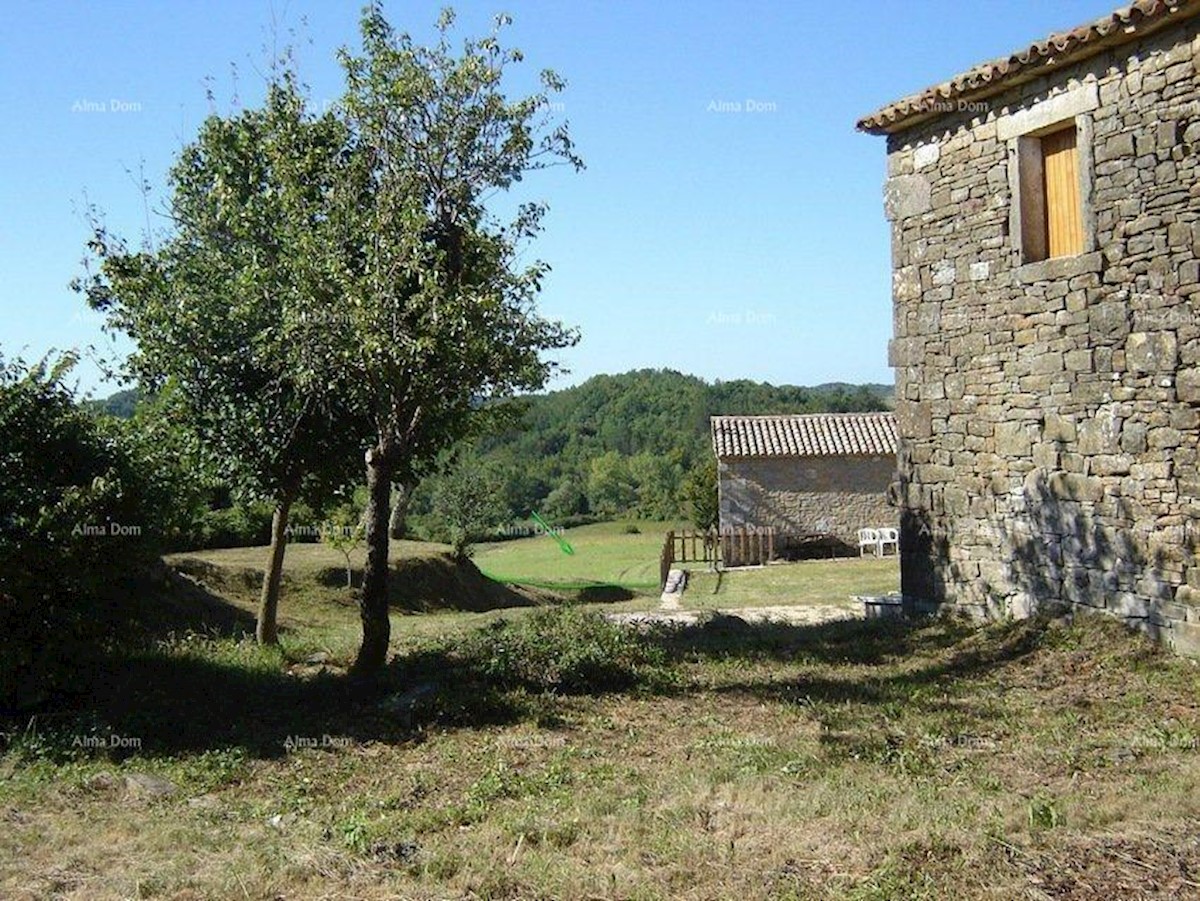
(1022,131)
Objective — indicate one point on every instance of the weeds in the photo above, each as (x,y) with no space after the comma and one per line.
(561,651)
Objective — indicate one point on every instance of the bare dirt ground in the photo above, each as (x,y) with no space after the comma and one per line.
(791,614)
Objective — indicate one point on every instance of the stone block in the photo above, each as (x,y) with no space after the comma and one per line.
(1046,455)
(1110,465)
(905,352)
(1117,147)
(914,419)
(906,284)
(943,273)
(1099,434)
(905,196)
(926,155)
(1164,438)
(934,473)
(1013,439)
(1133,438)
(1151,351)
(1109,320)
(1047,363)
(1184,638)
(1187,385)
(1059,428)
(1078,360)
(1076,487)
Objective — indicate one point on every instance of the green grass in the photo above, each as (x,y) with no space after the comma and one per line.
(604,555)
(560,757)
(306,558)
(831,582)
(551,754)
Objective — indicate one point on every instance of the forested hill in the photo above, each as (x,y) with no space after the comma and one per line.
(623,443)
(617,445)
(659,411)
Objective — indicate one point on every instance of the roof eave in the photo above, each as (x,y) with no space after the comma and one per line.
(894,117)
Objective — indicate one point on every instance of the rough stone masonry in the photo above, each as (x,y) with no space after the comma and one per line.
(1049,411)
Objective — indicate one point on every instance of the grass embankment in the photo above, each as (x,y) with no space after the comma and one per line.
(554,755)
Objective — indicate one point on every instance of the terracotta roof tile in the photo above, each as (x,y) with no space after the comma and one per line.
(819,435)
(1126,24)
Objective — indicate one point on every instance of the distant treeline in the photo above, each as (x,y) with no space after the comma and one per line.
(623,445)
(614,446)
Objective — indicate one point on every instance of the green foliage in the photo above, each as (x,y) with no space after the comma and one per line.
(432,137)
(699,494)
(655,422)
(231,312)
(466,504)
(344,530)
(566,501)
(87,505)
(121,404)
(1044,813)
(611,488)
(244,525)
(562,650)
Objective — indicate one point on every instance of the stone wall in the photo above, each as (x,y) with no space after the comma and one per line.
(1050,412)
(802,496)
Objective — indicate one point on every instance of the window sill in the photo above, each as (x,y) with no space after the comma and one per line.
(1060,267)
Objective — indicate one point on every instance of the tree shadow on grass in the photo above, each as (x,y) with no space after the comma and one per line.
(863,661)
(188,700)
(212,693)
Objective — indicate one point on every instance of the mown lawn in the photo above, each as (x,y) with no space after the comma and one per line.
(604,554)
(559,756)
(827,582)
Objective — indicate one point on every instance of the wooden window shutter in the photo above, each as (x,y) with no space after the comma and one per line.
(1064,216)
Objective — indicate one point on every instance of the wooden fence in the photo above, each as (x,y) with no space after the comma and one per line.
(729,547)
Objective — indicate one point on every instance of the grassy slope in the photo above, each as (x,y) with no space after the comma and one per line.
(856,760)
(605,554)
(309,558)
(861,761)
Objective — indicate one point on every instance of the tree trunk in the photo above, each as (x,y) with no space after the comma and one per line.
(373,600)
(400,511)
(266,629)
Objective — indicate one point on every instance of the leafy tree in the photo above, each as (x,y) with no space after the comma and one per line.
(611,488)
(440,305)
(86,505)
(566,500)
(344,531)
(234,311)
(466,503)
(700,494)
(657,479)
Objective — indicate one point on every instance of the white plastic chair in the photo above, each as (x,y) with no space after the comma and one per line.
(868,538)
(889,536)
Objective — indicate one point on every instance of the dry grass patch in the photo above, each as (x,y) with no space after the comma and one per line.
(852,760)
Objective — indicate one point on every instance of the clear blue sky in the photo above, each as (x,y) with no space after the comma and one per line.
(724,243)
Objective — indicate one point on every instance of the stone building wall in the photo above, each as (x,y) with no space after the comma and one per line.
(808,495)
(1049,412)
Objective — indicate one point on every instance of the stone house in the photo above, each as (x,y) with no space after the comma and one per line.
(815,479)
(1045,214)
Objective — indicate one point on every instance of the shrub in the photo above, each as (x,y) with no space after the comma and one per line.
(246,525)
(564,650)
(85,511)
